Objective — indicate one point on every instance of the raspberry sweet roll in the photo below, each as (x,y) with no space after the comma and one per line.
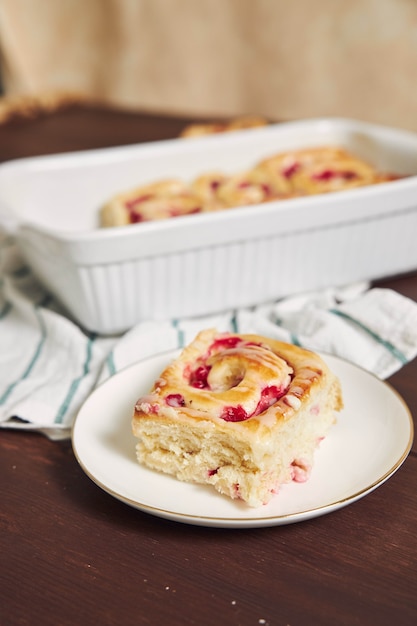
(290,174)
(207,186)
(239,123)
(242,413)
(318,170)
(254,186)
(158,200)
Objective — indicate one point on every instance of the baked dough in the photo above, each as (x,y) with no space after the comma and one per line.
(320,170)
(240,412)
(211,128)
(157,201)
(281,176)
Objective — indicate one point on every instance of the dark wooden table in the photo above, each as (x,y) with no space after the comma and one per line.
(71,554)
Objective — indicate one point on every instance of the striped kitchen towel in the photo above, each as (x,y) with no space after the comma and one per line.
(49,366)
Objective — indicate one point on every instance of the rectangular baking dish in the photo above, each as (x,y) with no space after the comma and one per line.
(109,279)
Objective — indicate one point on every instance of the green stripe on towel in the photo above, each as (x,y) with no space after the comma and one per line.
(295,340)
(75,384)
(32,361)
(5,310)
(180,333)
(293,337)
(386,344)
(111,366)
(234,324)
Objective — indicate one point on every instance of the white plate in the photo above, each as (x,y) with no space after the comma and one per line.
(370,441)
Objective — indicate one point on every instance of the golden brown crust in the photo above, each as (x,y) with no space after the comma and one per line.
(289,174)
(214,376)
(212,128)
(242,413)
(34,105)
(156,201)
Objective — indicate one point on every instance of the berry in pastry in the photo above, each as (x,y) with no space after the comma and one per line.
(318,170)
(159,200)
(251,187)
(242,413)
(207,188)
(284,175)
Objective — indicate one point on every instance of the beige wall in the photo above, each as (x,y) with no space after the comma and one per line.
(281,58)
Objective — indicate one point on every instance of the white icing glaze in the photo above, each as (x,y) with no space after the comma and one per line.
(237,377)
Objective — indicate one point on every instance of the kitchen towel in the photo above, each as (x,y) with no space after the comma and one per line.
(49,365)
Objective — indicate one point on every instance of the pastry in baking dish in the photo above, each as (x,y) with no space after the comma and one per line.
(319,170)
(289,174)
(252,187)
(240,412)
(211,128)
(159,200)
(207,188)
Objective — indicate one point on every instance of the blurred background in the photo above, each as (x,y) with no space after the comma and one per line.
(218,58)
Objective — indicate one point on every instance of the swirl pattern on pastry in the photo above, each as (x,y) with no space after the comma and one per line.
(252,187)
(243,413)
(156,201)
(281,176)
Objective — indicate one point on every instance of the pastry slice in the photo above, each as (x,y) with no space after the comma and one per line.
(242,413)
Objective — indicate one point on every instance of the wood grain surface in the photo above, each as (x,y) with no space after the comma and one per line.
(71,554)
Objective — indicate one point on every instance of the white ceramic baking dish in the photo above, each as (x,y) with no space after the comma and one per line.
(109,279)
